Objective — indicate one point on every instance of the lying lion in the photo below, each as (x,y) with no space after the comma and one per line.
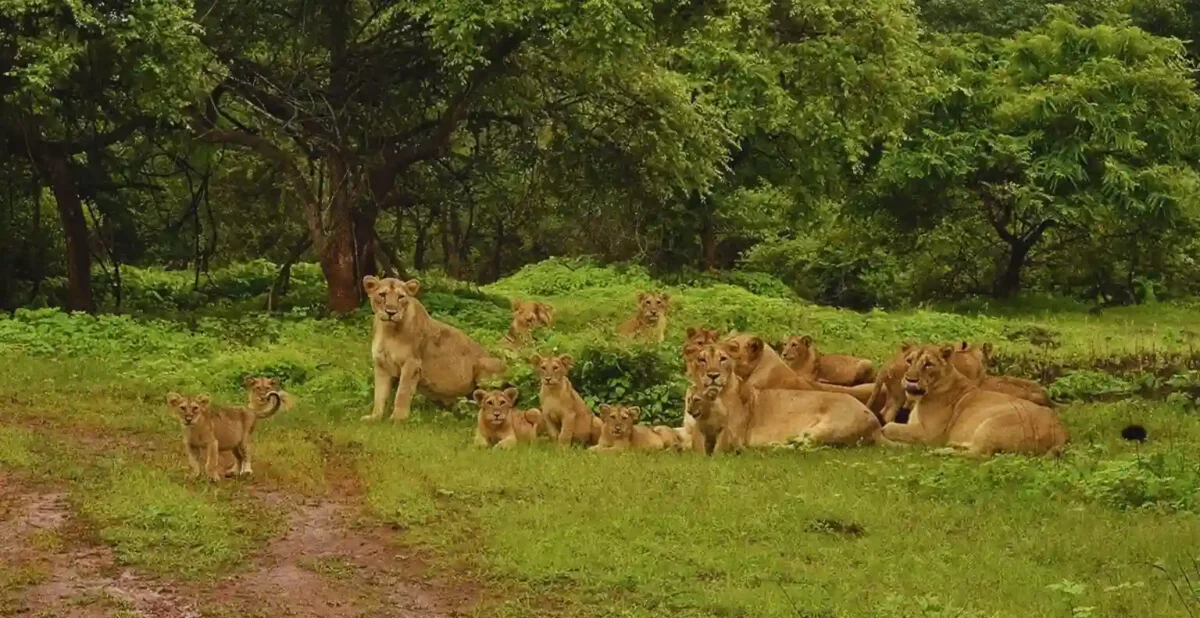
(651,319)
(759,367)
(500,424)
(527,315)
(423,353)
(771,417)
(806,360)
(620,432)
(952,410)
(888,396)
(565,416)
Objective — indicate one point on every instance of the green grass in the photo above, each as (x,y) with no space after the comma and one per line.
(1112,526)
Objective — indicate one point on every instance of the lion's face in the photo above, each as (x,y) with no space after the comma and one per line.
(552,369)
(653,307)
(697,338)
(746,351)
(529,314)
(260,387)
(927,368)
(189,409)
(796,348)
(701,403)
(495,406)
(714,367)
(390,298)
(619,420)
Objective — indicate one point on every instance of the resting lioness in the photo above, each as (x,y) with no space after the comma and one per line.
(760,367)
(207,432)
(888,396)
(620,431)
(697,338)
(651,319)
(500,424)
(805,359)
(772,416)
(950,409)
(425,354)
(526,316)
(565,417)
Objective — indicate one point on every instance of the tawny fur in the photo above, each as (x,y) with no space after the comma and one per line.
(805,359)
(651,320)
(759,367)
(888,396)
(565,416)
(620,431)
(257,390)
(527,316)
(952,410)
(500,424)
(208,432)
(425,355)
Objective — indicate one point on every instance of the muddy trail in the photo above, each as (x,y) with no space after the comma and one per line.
(325,562)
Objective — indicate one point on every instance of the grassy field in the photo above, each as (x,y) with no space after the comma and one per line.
(1111,529)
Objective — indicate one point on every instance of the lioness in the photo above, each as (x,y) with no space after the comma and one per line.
(526,316)
(951,409)
(620,431)
(805,359)
(500,424)
(258,389)
(697,338)
(420,351)
(772,416)
(888,396)
(565,417)
(208,433)
(759,367)
(651,318)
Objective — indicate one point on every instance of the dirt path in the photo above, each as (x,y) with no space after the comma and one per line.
(322,565)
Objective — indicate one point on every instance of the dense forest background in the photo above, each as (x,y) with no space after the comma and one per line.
(865,152)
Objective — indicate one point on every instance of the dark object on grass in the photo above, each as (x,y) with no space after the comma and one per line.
(1134,433)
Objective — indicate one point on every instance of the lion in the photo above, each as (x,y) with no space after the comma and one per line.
(651,319)
(209,432)
(528,315)
(771,416)
(952,410)
(422,353)
(565,417)
(500,424)
(759,367)
(259,389)
(888,396)
(621,432)
(805,359)
(697,338)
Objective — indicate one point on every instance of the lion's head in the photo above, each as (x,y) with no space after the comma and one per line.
(188,409)
(697,338)
(702,402)
(929,367)
(495,406)
(552,369)
(529,314)
(797,348)
(714,368)
(259,388)
(390,298)
(746,351)
(653,307)
(619,420)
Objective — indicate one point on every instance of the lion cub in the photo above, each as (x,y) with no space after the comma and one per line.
(621,433)
(527,315)
(805,359)
(651,319)
(500,424)
(566,418)
(209,432)
(258,392)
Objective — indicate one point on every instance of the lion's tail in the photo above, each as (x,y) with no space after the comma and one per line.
(276,403)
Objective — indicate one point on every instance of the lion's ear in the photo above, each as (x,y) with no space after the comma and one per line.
(666,298)
(692,331)
(248,381)
(567,361)
(203,400)
(755,346)
(370,283)
(479,395)
(635,412)
(987,350)
(963,346)
(273,383)
(808,340)
(174,399)
(605,410)
(947,351)
(511,393)
(641,296)
(906,346)
(413,286)
(535,360)
(547,313)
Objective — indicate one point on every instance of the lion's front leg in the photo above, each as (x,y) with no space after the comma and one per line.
(897,434)
(383,388)
(410,374)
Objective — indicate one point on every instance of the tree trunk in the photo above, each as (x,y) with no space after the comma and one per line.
(708,242)
(498,252)
(367,258)
(337,255)
(57,170)
(1008,283)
